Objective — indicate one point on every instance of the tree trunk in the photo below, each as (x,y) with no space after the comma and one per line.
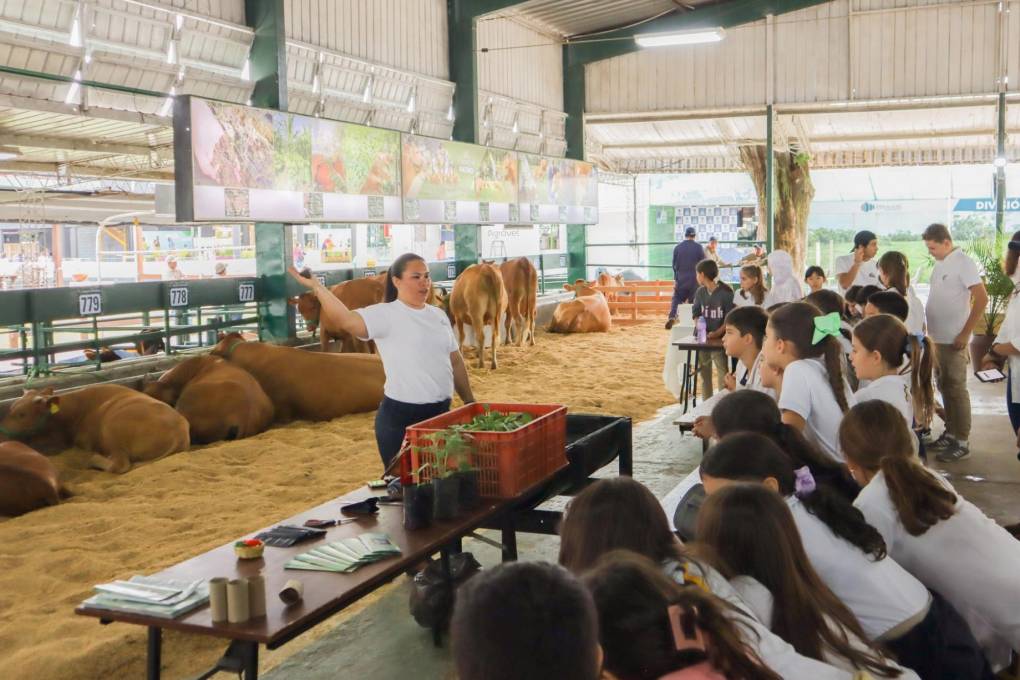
(793,194)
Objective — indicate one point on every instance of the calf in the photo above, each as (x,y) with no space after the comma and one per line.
(28,480)
(478,298)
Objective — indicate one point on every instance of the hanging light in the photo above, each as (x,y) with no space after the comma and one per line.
(412,101)
(246,69)
(171,52)
(697,37)
(516,128)
(366,95)
(449,113)
(76,40)
(74,90)
(315,83)
(179,21)
(168,103)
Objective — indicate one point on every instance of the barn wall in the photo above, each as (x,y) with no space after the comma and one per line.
(522,63)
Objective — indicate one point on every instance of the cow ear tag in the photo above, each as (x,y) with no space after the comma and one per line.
(54,408)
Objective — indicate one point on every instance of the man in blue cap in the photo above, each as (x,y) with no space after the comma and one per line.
(686,256)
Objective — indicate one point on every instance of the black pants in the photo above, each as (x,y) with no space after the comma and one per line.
(942,647)
(392,419)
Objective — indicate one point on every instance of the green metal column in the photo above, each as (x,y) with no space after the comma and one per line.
(1000,170)
(467,245)
(573,106)
(770,180)
(463,44)
(273,241)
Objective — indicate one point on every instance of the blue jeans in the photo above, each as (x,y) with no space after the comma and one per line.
(1011,406)
(683,291)
(394,417)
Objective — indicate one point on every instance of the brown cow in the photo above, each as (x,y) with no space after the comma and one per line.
(478,298)
(605,280)
(120,424)
(220,400)
(28,480)
(588,312)
(355,294)
(521,281)
(308,385)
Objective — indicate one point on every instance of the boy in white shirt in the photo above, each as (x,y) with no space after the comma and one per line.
(859,268)
(955,303)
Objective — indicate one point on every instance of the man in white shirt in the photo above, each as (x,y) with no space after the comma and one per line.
(859,268)
(955,303)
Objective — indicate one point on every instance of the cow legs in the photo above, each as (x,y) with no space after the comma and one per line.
(117,463)
(495,340)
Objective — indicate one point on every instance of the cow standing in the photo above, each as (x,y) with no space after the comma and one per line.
(521,281)
(479,298)
(355,294)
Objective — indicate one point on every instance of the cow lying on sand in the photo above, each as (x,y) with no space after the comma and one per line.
(308,385)
(122,425)
(220,400)
(28,480)
(588,312)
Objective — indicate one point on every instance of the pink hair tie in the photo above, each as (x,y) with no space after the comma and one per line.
(686,634)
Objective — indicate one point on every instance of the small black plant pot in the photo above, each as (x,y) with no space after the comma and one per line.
(447,489)
(418,506)
(470,492)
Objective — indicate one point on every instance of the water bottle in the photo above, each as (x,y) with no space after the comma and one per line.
(701,329)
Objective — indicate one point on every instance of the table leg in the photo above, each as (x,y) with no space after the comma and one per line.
(250,660)
(685,384)
(697,366)
(154,653)
(509,540)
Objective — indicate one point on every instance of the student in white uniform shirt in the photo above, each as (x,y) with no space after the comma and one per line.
(936,534)
(859,268)
(894,274)
(893,607)
(803,344)
(752,289)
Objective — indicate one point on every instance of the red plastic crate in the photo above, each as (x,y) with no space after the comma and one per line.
(509,463)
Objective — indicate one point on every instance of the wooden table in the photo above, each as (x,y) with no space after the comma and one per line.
(689,383)
(593,442)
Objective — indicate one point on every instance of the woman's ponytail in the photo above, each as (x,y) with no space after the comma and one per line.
(834,369)
(920,351)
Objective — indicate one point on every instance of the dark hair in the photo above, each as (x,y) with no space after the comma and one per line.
(888,336)
(758,290)
(936,232)
(708,268)
(753,532)
(890,302)
(396,271)
(749,320)
(525,620)
(633,598)
(896,269)
(757,412)
(851,294)
(829,301)
(616,513)
(749,457)
(1012,256)
(866,292)
(812,270)
(795,323)
(875,436)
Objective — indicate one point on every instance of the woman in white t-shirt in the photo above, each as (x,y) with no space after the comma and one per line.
(415,341)
(894,273)
(937,535)
(1005,353)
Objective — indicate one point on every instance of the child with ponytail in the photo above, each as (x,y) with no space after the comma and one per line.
(897,366)
(804,345)
(752,287)
(937,535)
(894,273)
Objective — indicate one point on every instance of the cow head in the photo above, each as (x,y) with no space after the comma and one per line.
(581,288)
(29,414)
(227,343)
(309,307)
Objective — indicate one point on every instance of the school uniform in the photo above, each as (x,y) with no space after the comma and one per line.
(915,312)
(972,561)
(894,389)
(807,393)
(867,273)
(742,298)
(751,379)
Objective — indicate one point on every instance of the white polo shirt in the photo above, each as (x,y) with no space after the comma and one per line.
(807,393)
(949,298)
(894,389)
(867,273)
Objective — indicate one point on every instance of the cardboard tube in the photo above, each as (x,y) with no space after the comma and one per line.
(218,599)
(256,596)
(237,601)
(292,592)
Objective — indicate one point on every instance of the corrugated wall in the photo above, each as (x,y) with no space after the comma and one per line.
(522,63)
(404,34)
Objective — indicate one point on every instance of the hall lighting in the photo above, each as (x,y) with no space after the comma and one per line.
(411,102)
(72,92)
(449,113)
(999,162)
(75,40)
(168,103)
(171,52)
(246,70)
(7,153)
(698,37)
(366,96)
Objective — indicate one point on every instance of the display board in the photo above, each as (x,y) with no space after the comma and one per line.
(236,163)
(557,190)
(457,183)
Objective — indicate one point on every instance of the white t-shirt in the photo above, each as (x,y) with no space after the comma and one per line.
(752,379)
(807,393)
(969,559)
(742,298)
(881,594)
(415,347)
(1009,331)
(949,298)
(915,312)
(867,273)
(894,389)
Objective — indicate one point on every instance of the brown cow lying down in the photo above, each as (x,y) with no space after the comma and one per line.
(478,298)
(220,400)
(356,294)
(521,281)
(28,480)
(588,312)
(308,385)
(119,423)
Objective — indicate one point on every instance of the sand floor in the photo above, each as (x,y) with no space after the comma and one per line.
(173,509)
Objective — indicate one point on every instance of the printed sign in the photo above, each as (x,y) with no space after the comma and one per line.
(179,296)
(451,271)
(246,291)
(559,190)
(90,304)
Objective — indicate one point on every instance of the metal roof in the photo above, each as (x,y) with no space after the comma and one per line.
(565,18)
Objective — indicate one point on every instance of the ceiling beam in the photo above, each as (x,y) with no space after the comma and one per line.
(14,101)
(73,144)
(77,170)
(891,136)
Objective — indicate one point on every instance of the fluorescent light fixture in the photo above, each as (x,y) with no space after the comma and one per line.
(449,113)
(411,102)
(7,153)
(315,84)
(168,104)
(999,162)
(75,40)
(179,21)
(171,52)
(366,95)
(72,92)
(697,37)
(516,128)
(246,70)
(88,57)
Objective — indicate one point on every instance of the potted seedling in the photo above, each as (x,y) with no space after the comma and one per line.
(460,445)
(418,500)
(445,485)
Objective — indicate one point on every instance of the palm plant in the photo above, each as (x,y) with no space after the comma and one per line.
(987,251)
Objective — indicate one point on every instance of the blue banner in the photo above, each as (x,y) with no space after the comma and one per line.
(984,205)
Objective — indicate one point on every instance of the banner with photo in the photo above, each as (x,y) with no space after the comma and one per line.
(557,190)
(236,163)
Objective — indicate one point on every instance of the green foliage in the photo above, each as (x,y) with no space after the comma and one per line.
(972,227)
(987,252)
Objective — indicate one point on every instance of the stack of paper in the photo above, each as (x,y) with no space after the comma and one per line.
(346,555)
(149,596)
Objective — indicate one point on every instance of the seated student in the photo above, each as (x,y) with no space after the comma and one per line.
(753,533)
(894,273)
(893,607)
(749,411)
(860,299)
(829,301)
(804,345)
(887,302)
(651,627)
(752,287)
(814,277)
(619,513)
(929,528)
(525,620)
(712,301)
